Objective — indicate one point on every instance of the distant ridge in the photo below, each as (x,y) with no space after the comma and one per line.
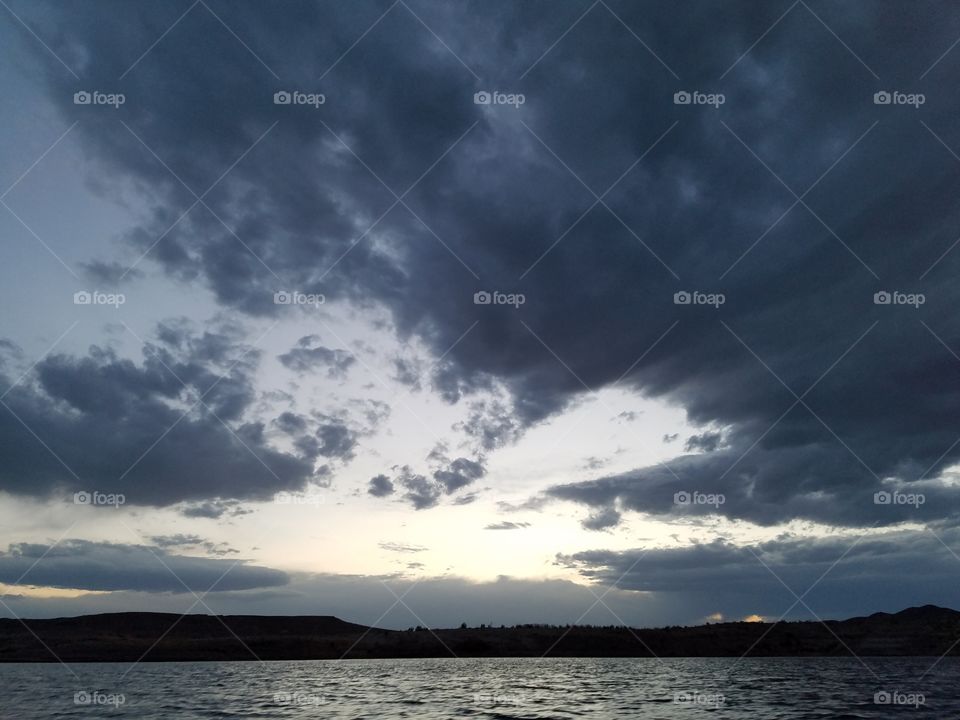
(132,636)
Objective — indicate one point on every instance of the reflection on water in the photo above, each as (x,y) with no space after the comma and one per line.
(769,688)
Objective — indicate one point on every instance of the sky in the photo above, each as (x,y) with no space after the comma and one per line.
(424,313)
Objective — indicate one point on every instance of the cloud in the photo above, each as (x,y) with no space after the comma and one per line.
(305,359)
(402,547)
(602,519)
(380,486)
(705,442)
(214,509)
(460,473)
(507,525)
(176,427)
(85,565)
(700,200)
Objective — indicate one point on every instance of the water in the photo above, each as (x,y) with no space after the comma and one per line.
(768,688)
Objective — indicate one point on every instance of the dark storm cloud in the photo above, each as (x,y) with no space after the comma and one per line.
(305,358)
(85,565)
(380,486)
(902,567)
(878,389)
(705,442)
(172,428)
(214,509)
(460,473)
(602,519)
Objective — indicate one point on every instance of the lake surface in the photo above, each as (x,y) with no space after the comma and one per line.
(768,688)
